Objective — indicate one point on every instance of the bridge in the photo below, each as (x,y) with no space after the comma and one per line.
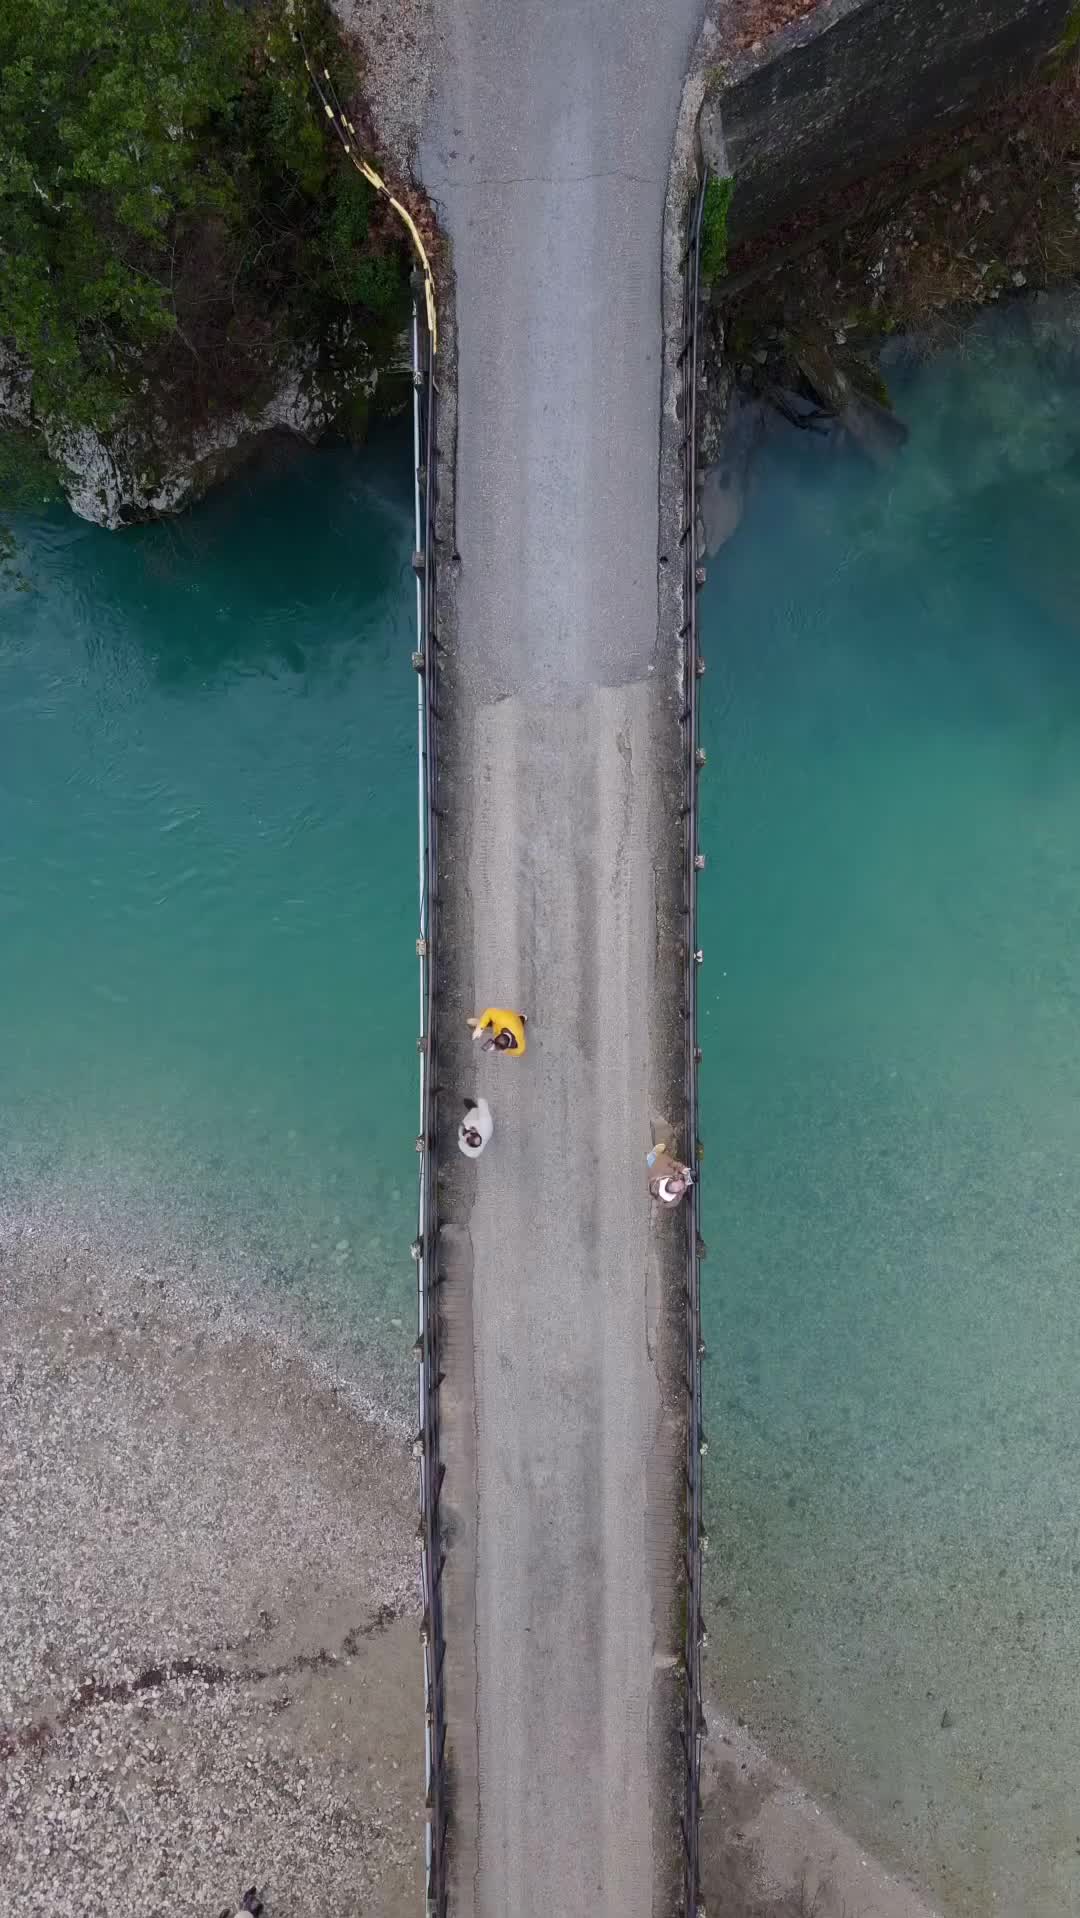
(559,1421)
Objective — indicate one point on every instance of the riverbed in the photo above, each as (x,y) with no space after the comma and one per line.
(891,1024)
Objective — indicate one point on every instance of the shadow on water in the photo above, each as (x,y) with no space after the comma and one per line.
(174,595)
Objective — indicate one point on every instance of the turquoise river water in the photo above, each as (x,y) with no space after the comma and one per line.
(208,993)
(892,1030)
(208,1009)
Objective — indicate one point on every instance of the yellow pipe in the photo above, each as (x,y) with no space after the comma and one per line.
(364,167)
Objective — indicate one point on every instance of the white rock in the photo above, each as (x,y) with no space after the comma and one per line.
(142,472)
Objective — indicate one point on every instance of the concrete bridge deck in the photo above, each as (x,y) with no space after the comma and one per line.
(548,159)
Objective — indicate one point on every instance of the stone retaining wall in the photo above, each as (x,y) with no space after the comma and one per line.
(837,95)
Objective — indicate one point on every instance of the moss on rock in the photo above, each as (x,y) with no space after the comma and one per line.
(714,229)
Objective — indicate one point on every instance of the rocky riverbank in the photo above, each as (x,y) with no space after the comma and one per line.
(216,271)
(805,322)
(209,1669)
(769,1851)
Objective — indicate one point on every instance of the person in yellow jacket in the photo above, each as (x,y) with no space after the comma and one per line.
(499,1030)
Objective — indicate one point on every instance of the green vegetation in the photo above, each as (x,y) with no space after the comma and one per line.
(1070,39)
(175,219)
(714,234)
(26,476)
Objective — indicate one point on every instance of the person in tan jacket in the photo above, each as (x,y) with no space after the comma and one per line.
(669,1179)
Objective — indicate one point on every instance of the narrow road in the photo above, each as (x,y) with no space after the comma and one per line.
(548,157)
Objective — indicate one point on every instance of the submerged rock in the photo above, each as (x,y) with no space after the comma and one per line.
(872,425)
(874,428)
(796,407)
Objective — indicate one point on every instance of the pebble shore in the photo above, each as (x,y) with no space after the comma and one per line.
(209,1668)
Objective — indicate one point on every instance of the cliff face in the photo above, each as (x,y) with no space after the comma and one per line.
(150,467)
(204,267)
(840,93)
(885,169)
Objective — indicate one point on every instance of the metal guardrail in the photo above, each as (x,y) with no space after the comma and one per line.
(693,1729)
(426,1243)
(425,1247)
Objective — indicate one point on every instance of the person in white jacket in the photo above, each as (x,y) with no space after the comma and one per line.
(476,1128)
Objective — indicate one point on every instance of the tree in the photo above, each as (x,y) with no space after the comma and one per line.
(173,218)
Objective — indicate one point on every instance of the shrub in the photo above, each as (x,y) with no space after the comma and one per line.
(173,215)
(714,220)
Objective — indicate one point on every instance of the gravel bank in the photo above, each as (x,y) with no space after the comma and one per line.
(397,47)
(209,1673)
(769,1851)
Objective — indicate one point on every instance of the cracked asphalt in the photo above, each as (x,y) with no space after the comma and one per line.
(548,156)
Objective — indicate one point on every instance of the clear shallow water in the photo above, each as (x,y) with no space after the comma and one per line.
(208,877)
(891,1010)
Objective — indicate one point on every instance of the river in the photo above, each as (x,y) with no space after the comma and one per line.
(891,1019)
(208,1103)
(208,1008)
(208,881)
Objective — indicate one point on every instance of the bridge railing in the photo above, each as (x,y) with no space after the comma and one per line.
(693,1727)
(425,1246)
